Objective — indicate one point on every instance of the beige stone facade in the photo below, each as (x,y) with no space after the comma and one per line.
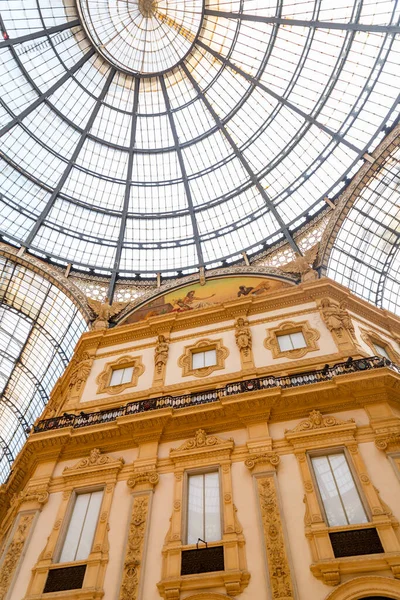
(257,420)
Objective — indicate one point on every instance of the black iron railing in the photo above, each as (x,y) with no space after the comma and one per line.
(238,387)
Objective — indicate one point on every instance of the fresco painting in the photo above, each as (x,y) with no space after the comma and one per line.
(214,292)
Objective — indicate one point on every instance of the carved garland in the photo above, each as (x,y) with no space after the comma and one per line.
(185,361)
(310,335)
(277,559)
(104,378)
(134,551)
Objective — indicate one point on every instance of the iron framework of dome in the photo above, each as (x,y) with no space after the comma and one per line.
(270,109)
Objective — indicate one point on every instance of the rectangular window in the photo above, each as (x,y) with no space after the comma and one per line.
(381,351)
(119,376)
(204,359)
(291,341)
(203,511)
(338,490)
(82,526)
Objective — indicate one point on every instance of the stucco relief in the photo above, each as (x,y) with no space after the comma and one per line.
(134,550)
(14,552)
(277,559)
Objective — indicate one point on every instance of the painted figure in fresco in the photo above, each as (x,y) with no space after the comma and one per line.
(244,291)
(261,288)
(192,302)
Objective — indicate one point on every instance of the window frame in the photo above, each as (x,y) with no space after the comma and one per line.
(289,334)
(203,351)
(331,451)
(186,363)
(185,511)
(103,380)
(122,368)
(67,520)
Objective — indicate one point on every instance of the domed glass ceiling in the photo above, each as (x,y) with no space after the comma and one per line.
(145,136)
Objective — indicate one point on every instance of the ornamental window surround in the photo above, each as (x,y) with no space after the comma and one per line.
(203,358)
(353,520)
(119,375)
(292,339)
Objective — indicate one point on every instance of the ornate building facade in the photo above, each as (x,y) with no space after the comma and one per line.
(238,439)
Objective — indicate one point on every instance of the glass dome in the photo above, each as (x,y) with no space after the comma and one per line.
(161,136)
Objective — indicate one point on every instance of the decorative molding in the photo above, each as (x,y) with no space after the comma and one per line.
(388,441)
(95,463)
(318,421)
(149,476)
(103,380)
(185,361)
(266,458)
(134,551)
(277,558)
(365,587)
(310,335)
(199,441)
(13,552)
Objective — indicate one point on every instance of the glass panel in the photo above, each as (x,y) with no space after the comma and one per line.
(212,508)
(350,498)
(381,351)
(116,376)
(127,375)
(329,492)
(210,358)
(195,509)
(89,526)
(298,340)
(75,528)
(198,360)
(285,343)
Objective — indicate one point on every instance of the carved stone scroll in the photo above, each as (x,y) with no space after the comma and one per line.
(14,552)
(134,551)
(277,557)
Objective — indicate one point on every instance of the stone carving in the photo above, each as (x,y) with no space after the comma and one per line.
(267,457)
(336,317)
(243,336)
(13,553)
(303,265)
(95,458)
(202,440)
(134,550)
(317,421)
(161,354)
(31,494)
(80,372)
(382,441)
(277,559)
(104,312)
(150,476)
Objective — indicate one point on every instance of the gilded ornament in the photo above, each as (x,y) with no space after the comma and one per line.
(243,336)
(201,440)
(134,550)
(317,421)
(104,311)
(161,354)
(303,264)
(277,559)
(267,457)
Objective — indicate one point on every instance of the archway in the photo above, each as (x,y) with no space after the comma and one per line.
(367,588)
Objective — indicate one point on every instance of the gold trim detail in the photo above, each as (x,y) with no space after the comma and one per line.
(134,550)
(310,335)
(277,559)
(95,460)
(185,361)
(103,380)
(14,552)
(270,458)
(200,440)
